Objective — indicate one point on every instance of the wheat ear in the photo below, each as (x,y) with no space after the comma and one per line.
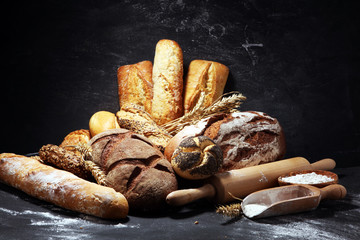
(225,104)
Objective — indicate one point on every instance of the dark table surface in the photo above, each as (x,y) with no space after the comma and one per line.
(297,61)
(23,217)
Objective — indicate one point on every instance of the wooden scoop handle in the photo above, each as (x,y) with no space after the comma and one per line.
(333,191)
(182,197)
(324,164)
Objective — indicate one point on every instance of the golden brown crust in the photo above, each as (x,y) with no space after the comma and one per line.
(167,103)
(135,84)
(204,76)
(102,121)
(61,187)
(76,137)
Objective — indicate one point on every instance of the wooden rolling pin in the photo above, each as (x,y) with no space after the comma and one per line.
(240,182)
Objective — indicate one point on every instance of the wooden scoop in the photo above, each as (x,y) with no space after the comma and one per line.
(288,199)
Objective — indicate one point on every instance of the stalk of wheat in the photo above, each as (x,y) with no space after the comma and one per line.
(227,103)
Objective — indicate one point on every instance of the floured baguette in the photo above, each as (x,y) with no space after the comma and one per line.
(204,77)
(135,84)
(61,188)
(167,103)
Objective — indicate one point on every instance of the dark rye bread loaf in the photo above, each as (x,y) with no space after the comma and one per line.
(134,167)
(245,138)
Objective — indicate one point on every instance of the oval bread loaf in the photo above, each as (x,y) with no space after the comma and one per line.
(207,77)
(134,167)
(167,76)
(135,84)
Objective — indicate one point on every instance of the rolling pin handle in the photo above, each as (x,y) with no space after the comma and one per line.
(184,196)
(333,191)
(325,164)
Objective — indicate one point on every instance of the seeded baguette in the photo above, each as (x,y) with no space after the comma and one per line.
(63,159)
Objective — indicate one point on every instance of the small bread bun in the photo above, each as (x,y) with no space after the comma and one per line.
(75,138)
(197,158)
(101,121)
(81,136)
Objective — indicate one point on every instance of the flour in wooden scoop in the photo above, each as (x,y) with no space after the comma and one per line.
(251,210)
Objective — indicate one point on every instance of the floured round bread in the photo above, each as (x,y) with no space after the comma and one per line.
(247,139)
(197,158)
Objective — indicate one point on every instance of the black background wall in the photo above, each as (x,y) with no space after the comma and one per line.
(298,61)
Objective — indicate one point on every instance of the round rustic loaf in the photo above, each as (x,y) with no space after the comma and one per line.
(245,138)
(134,167)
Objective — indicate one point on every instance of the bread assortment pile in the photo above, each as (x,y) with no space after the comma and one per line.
(169,127)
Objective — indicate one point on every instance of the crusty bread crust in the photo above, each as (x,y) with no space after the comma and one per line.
(134,167)
(135,84)
(204,76)
(167,103)
(61,188)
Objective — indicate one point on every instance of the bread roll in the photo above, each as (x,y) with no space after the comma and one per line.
(205,77)
(61,187)
(135,84)
(197,158)
(76,137)
(167,103)
(102,121)
(246,138)
(134,167)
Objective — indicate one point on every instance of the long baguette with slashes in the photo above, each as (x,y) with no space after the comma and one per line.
(61,188)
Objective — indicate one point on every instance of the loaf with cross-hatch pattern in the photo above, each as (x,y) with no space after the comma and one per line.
(134,167)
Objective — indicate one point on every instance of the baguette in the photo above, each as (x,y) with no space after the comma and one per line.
(167,103)
(61,188)
(205,77)
(135,84)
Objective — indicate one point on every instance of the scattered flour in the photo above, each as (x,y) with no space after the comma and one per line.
(55,226)
(307,178)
